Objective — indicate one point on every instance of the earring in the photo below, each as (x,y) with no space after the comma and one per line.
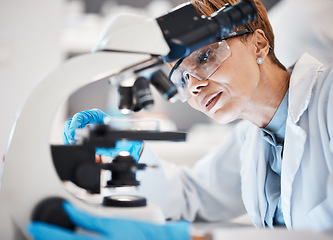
(260,60)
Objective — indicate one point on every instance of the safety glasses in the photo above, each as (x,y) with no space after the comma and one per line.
(201,64)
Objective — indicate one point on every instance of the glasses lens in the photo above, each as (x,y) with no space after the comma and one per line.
(178,77)
(201,64)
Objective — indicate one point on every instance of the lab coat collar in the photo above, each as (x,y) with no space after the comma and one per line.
(303,77)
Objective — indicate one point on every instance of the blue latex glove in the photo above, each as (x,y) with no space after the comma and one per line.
(96,116)
(108,228)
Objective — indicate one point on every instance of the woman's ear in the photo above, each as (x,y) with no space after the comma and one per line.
(261,43)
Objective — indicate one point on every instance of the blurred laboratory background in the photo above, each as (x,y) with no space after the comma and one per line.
(38,35)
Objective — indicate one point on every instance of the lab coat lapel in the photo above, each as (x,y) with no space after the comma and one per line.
(292,156)
(304,75)
(254,156)
(299,97)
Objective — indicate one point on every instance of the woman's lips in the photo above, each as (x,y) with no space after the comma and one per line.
(210,101)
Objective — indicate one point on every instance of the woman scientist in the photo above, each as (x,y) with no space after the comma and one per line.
(276,165)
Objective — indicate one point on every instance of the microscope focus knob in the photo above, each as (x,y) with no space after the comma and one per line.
(51,211)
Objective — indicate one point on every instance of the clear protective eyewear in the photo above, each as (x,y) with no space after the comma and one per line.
(200,64)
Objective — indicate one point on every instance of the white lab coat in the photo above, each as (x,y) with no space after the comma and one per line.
(230,181)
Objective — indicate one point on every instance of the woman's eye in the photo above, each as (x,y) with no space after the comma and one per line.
(185,77)
(203,57)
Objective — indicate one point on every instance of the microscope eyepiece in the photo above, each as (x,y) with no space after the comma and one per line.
(231,16)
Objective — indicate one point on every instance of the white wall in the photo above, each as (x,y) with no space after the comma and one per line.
(29,48)
(303,26)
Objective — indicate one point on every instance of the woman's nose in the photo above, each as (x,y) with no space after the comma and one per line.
(195,85)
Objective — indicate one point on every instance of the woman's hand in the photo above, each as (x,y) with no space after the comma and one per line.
(102,228)
(96,116)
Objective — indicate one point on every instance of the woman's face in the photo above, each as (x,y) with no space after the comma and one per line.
(226,95)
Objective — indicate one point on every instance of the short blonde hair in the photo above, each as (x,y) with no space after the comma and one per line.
(207,7)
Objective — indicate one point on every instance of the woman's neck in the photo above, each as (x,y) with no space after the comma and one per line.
(272,87)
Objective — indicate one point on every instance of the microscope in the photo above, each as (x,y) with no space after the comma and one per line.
(131,53)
